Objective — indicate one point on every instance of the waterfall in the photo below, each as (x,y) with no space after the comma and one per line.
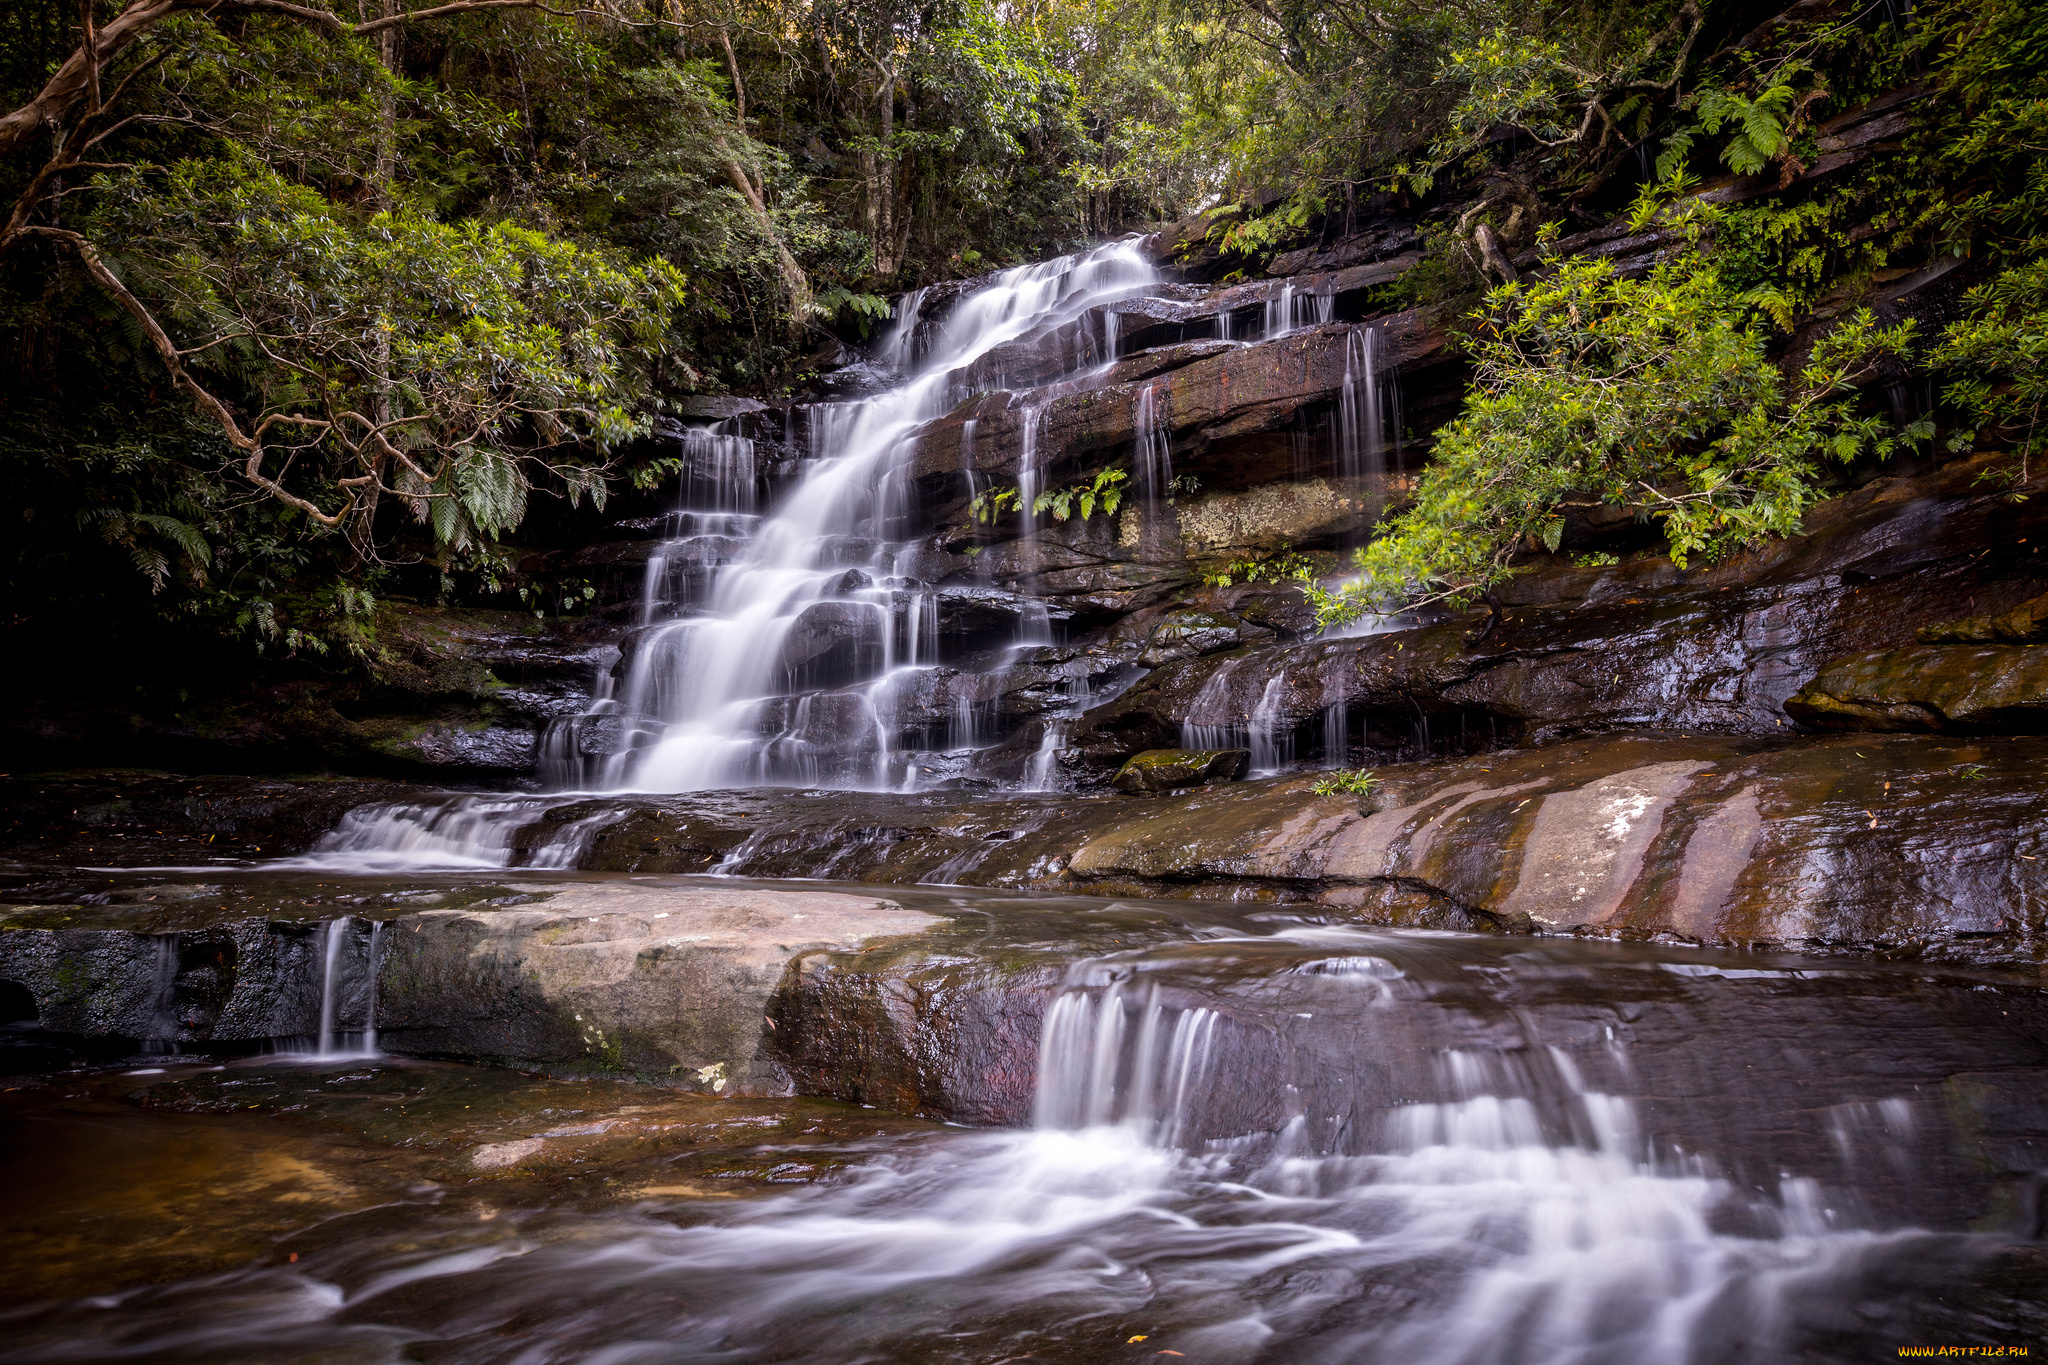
(1361,426)
(1336,677)
(163,1003)
(1095,1068)
(785,621)
(330,970)
(333,1042)
(776,646)
(1152,450)
(1279,319)
(1038,773)
(375,965)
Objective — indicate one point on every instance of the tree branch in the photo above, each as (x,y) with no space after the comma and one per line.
(167,350)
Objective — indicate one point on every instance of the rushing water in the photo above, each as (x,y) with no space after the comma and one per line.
(783,673)
(1284,1146)
(794,646)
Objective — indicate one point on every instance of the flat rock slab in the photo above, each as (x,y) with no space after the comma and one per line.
(664,981)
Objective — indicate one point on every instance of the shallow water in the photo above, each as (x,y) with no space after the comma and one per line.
(1258,1138)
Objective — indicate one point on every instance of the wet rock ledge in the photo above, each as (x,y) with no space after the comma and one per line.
(1898,844)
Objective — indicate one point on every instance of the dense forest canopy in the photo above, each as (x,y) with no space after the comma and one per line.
(307,302)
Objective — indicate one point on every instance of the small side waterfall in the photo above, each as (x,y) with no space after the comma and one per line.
(1361,423)
(330,972)
(1096,1066)
(163,1008)
(350,958)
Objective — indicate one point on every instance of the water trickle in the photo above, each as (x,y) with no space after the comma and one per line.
(1361,425)
(1038,773)
(1280,310)
(334,1041)
(374,966)
(1152,450)
(337,933)
(1095,1068)
(163,1005)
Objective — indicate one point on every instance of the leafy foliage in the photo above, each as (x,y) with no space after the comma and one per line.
(1348,782)
(1105,491)
(1284,566)
(1651,394)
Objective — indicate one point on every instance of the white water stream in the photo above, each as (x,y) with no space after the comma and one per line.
(724,687)
(1520,1218)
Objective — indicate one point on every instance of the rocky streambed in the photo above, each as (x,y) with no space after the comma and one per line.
(1239,1131)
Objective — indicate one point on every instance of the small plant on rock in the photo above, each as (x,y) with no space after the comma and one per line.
(1348,782)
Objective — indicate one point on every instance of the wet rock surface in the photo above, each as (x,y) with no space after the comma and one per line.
(1722,648)
(1162,770)
(193,1168)
(1894,844)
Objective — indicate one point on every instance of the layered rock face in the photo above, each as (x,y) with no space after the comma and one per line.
(1924,846)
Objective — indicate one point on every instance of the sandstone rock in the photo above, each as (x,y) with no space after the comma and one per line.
(1238,392)
(1930,687)
(1720,649)
(1159,770)
(1270,517)
(2024,624)
(662,982)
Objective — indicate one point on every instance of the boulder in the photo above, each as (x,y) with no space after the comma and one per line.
(1930,687)
(661,982)
(1160,770)
(2024,624)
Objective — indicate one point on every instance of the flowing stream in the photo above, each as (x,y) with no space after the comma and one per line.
(1297,1144)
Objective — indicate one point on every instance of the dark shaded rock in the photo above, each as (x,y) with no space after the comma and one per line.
(827,629)
(1161,770)
(130,816)
(1930,687)
(1186,634)
(1722,648)
(716,406)
(2024,624)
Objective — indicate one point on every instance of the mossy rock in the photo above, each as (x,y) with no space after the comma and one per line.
(1930,687)
(2024,624)
(1163,770)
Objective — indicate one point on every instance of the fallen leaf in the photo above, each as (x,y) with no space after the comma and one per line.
(1134,1339)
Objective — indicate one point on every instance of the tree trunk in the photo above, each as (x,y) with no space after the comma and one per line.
(793,277)
(883,197)
(362,533)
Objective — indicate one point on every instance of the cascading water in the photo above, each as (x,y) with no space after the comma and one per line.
(776,648)
(338,974)
(758,686)
(1206,1177)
